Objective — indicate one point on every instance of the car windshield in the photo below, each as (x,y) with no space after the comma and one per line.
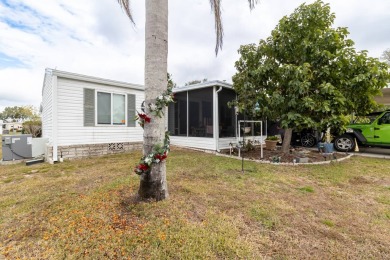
(368,119)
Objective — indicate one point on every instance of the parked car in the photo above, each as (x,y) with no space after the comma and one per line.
(305,138)
(371,130)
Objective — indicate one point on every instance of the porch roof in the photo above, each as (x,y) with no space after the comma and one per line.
(203,85)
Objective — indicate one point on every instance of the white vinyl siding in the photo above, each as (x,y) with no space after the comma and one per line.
(194,142)
(47,107)
(71,129)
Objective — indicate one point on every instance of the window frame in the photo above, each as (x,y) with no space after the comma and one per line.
(112,93)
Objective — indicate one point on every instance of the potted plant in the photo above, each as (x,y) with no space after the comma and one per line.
(270,142)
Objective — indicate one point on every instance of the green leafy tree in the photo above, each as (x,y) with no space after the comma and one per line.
(153,184)
(19,113)
(171,83)
(308,74)
(386,56)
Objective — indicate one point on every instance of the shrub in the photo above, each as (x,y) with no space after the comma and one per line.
(33,127)
(272,138)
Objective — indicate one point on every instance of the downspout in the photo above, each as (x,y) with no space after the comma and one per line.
(216,131)
(55,117)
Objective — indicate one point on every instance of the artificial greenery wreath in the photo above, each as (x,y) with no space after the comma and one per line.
(160,151)
(159,154)
(161,102)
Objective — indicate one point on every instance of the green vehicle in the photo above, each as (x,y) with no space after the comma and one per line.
(372,130)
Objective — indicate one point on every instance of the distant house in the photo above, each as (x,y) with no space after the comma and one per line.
(385,98)
(12,126)
(86,116)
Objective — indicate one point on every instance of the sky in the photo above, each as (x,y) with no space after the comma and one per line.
(96,38)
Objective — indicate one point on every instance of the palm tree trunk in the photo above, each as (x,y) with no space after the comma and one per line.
(153,185)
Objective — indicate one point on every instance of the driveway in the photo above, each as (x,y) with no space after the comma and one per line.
(374,152)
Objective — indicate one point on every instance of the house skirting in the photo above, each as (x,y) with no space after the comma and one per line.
(91,150)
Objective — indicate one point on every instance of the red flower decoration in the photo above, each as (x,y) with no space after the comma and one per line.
(161,157)
(144,117)
(141,168)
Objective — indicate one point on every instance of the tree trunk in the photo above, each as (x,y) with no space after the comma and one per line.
(153,185)
(287,140)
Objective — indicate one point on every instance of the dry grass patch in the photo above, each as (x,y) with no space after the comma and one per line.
(87,209)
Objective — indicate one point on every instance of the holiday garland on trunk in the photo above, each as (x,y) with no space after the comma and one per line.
(160,151)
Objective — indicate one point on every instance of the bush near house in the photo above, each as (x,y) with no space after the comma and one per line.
(33,127)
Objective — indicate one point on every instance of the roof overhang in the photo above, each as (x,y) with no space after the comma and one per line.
(203,85)
(80,77)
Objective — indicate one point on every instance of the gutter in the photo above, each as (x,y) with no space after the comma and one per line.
(54,117)
(216,132)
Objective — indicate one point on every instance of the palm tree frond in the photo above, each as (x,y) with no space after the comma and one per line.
(216,8)
(125,5)
(252,3)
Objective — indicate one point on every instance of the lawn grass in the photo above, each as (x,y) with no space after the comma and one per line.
(86,209)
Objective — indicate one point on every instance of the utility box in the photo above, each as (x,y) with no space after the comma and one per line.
(16,147)
(39,146)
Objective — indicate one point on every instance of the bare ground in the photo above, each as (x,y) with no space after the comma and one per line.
(295,153)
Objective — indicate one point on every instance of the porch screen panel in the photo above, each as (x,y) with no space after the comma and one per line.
(177,115)
(227,115)
(200,114)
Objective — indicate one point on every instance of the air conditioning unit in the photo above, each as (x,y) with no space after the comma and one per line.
(16,147)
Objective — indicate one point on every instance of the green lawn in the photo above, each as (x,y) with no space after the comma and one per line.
(86,209)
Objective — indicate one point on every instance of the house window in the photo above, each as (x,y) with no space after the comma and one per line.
(111,109)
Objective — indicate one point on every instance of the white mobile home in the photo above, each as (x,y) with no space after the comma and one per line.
(86,116)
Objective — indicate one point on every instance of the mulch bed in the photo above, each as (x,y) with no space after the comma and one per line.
(296,153)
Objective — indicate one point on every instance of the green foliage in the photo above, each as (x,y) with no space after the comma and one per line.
(307,73)
(247,145)
(272,138)
(171,83)
(327,222)
(308,189)
(193,82)
(386,56)
(16,113)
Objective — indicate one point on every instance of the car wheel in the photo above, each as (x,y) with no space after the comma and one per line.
(344,143)
(308,140)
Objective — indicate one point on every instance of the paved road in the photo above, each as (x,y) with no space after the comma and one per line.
(374,152)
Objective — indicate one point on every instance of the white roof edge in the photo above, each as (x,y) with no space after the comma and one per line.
(203,85)
(70,75)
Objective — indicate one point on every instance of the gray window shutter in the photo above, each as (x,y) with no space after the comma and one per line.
(89,107)
(131,110)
